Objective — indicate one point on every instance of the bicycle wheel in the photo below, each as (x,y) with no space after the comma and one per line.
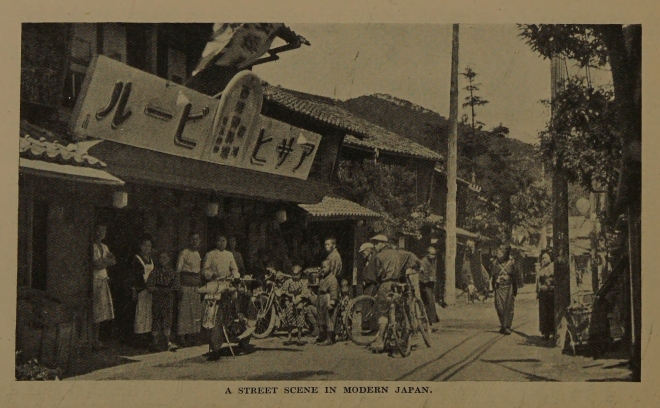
(361,320)
(402,330)
(419,313)
(265,317)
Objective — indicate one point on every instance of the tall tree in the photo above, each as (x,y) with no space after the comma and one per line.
(473,100)
(621,47)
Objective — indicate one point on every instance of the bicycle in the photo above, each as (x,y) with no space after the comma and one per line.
(407,313)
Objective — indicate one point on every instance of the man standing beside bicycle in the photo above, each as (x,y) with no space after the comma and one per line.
(392,266)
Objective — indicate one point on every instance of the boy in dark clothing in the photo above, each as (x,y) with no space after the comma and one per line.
(325,301)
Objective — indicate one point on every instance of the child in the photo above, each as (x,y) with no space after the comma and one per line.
(163,284)
(472,292)
(340,310)
(325,302)
(293,291)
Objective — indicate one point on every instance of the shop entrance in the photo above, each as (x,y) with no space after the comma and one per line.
(124,229)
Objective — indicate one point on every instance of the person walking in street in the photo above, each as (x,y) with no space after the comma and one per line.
(294,291)
(219,265)
(238,258)
(427,274)
(369,279)
(333,257)
(505,284)
(141,267)
(164,285)
(190,306)
(102,300)
(545,292)
(392,266)
(325,301)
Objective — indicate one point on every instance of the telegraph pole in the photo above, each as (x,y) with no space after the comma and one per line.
(450,223)
(560,237)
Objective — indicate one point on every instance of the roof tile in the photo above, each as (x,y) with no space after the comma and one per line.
(360,132)
(37,143)
(338,207)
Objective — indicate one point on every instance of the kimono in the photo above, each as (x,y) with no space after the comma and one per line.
(294,315)
(505,285)
(163,284)
(190,305)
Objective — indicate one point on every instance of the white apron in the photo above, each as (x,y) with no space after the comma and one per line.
(143,309)
(102,309)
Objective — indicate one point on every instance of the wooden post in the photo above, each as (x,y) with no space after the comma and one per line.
(560,237)
(450,223)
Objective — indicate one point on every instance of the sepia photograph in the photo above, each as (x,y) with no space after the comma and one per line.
(356,202)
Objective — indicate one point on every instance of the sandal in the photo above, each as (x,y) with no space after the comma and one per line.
(301,343)
(288,343)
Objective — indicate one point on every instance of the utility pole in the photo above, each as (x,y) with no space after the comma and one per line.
(560,237)
(450,223)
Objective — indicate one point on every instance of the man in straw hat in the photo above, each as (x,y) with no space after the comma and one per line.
(368,278)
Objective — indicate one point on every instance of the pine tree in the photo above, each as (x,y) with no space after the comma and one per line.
(473,100)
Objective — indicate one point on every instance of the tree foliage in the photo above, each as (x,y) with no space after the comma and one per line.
(473,100)
(582,137)
(387,189)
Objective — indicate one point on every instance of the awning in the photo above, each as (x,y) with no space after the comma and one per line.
(149,167)
(67,172)
(334,208)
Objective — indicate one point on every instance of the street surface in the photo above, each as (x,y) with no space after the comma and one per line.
(468,347)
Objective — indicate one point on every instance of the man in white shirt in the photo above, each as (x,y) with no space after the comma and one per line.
(219,264)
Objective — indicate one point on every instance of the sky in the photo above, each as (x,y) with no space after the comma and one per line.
(413,62)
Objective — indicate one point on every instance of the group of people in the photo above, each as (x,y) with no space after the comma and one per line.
(149,290)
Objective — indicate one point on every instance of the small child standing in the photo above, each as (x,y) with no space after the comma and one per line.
(325,303)
(163,284)
(344,299)
(293,291)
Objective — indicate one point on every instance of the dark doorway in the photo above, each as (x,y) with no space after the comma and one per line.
(125,227)
(38,279)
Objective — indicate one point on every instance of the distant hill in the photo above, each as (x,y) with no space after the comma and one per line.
(478,152)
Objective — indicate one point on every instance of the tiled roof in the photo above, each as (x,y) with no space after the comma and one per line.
(360,132)
(338,207)
(37,143)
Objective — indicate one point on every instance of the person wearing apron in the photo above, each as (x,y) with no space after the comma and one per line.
(102,300)
(144,264)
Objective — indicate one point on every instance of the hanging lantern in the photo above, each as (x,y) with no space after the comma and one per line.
(120,199)
(280,216)
(583,205)
(212,209)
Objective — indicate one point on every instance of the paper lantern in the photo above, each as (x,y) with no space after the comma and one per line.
(280,216)
(120,199)
(583,205)
(212,209)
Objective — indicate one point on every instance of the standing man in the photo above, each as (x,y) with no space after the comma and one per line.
(102,307)
(369,276)
(333,257)
(190,305)
(392,265)
(237,256)
(427,276)
(325,301)
(219,264)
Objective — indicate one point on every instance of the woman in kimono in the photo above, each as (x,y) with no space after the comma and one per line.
(164,285)
(505,284)
(545,292)
(141,267)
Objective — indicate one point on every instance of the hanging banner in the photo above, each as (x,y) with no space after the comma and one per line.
(129,106)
